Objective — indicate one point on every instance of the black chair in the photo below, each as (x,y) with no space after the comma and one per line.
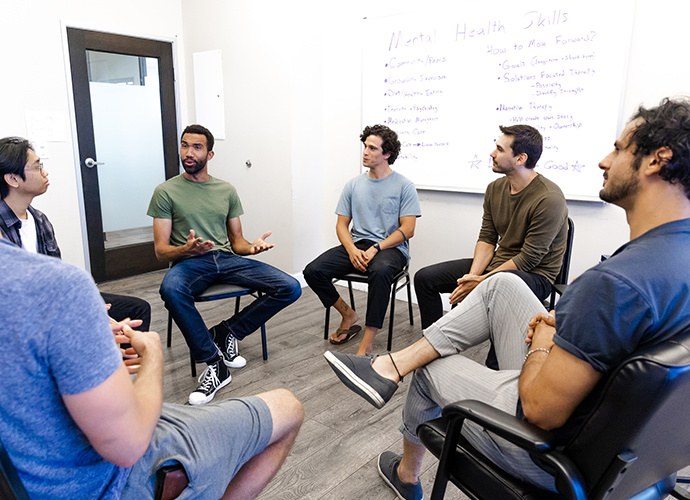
(220,291)
(362,278)
(629,447)
(11,487)
(561,281)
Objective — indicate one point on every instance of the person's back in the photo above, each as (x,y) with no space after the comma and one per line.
(52,350)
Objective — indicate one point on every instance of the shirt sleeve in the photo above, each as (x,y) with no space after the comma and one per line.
(601,318)
(160,206)
(345,203)
(235,208)
(488,233)
(81,345)
(409,201)
(544,226)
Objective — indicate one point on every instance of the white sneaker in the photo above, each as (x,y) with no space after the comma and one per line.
(213,378)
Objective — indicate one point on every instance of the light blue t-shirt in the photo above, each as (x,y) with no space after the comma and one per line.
(376,206)
(57,340)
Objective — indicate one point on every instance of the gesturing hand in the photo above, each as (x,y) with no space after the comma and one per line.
(196,246)
(260,245)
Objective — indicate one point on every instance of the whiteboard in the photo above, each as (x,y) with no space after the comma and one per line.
(445,79)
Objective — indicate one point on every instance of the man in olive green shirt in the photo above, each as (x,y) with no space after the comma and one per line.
(524,229)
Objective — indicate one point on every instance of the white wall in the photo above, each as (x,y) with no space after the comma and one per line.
(292,73)
(35,79)
(312,52)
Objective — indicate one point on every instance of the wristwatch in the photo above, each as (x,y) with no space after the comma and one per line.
(377,247)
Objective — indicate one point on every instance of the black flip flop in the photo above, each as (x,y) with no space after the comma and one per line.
(350,334)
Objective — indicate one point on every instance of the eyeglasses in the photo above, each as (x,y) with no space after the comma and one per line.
(39,168)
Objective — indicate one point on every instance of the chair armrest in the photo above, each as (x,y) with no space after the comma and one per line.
(559,288)
(527,436)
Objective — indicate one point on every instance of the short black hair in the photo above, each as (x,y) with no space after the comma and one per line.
(666,125)
(13,158)
(390,143)
(526,140)
(201,130)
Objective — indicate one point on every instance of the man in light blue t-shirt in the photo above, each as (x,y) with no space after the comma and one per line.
(383,207)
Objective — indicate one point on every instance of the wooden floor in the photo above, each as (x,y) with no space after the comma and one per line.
(335,454)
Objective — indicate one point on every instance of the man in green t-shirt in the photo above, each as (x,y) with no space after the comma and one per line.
(196,226)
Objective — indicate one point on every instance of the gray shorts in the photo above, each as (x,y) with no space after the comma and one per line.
(212,442)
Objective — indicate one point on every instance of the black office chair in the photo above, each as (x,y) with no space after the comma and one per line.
(220,291)
(362,278)
(561,281)
(11,487)
(629,447)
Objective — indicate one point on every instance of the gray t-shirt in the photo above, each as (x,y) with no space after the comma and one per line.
(376,206)
(56,334)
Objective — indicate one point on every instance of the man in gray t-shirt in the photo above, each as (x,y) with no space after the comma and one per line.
(382,206)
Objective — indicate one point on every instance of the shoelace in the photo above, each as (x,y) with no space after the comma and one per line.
(210,378)
(232,347)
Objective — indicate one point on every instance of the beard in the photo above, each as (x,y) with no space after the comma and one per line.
(613,193)
(196,167)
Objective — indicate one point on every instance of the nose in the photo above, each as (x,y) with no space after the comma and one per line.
(605,162)
(493,154)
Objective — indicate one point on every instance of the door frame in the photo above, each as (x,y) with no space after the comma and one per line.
(103,264)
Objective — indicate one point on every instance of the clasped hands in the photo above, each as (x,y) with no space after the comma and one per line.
(360,258)
(465,285)
(540,330)
(124,334)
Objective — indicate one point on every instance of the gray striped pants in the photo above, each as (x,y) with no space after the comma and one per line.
(500,309)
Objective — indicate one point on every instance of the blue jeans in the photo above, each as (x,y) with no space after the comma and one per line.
(191,276)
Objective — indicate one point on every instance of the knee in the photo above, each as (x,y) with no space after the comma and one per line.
(311,273)
(292,290)
(423,278)
(171,287)
(286,409)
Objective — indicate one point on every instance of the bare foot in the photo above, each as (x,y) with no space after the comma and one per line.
(349,318)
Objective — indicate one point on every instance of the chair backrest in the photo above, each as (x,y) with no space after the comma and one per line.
(11,487)
(639,432)
(562,277)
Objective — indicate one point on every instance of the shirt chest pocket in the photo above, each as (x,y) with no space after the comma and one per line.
(390,205)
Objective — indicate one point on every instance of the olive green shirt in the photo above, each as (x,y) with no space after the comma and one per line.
(203,206)
(529,227)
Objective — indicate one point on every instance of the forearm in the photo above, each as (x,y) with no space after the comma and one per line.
(528,392)
(171,253)
(483,253)
(400,235)
(508,265)
(241,246)
(345,238)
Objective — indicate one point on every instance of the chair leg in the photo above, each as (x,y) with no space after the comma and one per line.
(392,315)
(325,326)
(193,363)
(409,300)
(352,295)
(237,305)
(169,330)
(263,342)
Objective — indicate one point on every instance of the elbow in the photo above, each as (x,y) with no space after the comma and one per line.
(542,417)
(125,452)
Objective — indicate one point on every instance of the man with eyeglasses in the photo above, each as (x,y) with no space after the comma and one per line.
(23,178)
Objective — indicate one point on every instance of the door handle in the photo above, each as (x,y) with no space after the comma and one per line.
(90,163)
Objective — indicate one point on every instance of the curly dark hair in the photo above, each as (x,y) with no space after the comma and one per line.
(526,140)
(390,144)
(667,125)
(13,158)
(201,130)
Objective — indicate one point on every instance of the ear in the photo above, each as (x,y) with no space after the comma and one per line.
(11,180)
(521,159)
(659,158)
(209,155)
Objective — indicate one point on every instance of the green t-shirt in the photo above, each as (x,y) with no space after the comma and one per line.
(202,206)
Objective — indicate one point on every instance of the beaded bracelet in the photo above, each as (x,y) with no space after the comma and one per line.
(535,350)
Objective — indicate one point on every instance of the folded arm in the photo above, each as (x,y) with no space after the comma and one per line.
(552,384)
